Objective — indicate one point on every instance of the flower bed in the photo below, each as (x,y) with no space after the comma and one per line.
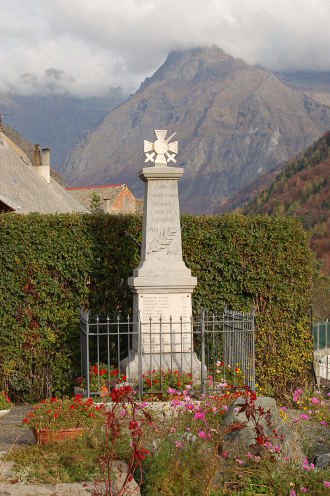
(177,447)
(101,379)
(55,419)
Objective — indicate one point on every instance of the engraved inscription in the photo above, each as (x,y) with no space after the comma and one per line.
(165,323)
(163,229)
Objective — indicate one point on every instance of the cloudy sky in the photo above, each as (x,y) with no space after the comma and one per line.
(85,47)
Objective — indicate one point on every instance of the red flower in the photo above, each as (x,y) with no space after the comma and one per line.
(260,439)
(53,400)
(121,394)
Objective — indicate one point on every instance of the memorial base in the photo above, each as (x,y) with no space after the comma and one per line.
(182,362)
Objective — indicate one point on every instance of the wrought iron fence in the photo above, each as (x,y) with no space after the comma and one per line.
(210,351)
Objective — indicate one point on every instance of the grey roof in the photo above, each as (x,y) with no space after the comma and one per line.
(106,192)
(22,189)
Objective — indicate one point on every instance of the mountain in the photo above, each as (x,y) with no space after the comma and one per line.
(312,83)
(302,189)
(233,122)
(57,120)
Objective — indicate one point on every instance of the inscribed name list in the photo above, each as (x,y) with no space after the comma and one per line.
(165,322)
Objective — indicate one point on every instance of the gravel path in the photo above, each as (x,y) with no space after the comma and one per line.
(13,431)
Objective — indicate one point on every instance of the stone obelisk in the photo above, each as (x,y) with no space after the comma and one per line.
(162,284)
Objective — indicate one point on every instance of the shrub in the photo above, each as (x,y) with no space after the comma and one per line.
(52,264)
(5,403)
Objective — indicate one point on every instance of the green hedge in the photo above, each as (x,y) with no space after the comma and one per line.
(51,264)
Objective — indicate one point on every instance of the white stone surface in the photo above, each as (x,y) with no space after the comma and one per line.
(161,151)
(162,284)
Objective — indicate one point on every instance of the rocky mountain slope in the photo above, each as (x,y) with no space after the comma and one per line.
(57,120)
(313,84)
(233,122)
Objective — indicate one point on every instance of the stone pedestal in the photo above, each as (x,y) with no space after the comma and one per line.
(162,284)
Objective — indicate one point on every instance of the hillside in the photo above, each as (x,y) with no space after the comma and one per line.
(302,189)
(233,123)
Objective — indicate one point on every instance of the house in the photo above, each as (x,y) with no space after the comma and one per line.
(27,187)
(108,198)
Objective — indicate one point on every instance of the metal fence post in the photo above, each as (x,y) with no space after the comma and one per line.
(203,352)
(140,358)
(253,358)
(87,354)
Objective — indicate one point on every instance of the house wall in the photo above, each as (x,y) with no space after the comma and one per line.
(124,203)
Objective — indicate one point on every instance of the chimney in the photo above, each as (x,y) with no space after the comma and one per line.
(36,156)
(42,167)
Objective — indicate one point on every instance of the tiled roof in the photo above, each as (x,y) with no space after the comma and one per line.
(107,192)
(69,188)
(24,190)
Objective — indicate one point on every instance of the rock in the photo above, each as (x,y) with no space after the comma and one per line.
(73,489)
(239,439)
(322,461)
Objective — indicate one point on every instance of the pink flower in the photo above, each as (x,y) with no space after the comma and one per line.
(201,434)
(199,416)
(303,490)
(315,400)
(283,408)
(328,394)
(268,444)
(171,391)
(296,394)
(276,448)
(293,492)
(240,462)
(326,484)
(172,429)
(323,422)
(189,406)
(303,416)
(305,465)
(178,444)
(224,454)
(249,454)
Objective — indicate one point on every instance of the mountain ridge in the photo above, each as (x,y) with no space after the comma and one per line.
(233,122)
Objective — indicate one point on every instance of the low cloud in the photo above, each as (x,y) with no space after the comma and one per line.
(85,48)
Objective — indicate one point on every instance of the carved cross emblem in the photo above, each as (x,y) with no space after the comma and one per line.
(161,151)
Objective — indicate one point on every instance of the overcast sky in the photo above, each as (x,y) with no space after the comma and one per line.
(86,46)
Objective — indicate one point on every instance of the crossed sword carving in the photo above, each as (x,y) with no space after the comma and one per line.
(168,155)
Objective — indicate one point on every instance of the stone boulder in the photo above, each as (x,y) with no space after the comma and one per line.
(241,439)
(322,461)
